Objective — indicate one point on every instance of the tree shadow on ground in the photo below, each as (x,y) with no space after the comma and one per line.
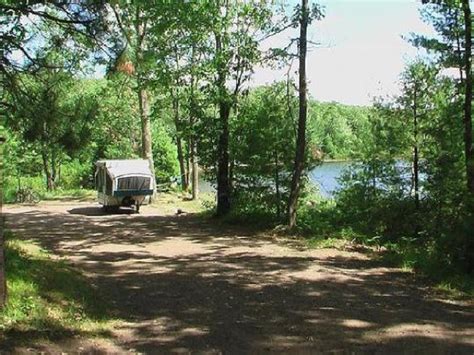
(54,304)
(99,211)
(181,283)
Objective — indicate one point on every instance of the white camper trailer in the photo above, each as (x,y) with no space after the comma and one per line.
(123,183)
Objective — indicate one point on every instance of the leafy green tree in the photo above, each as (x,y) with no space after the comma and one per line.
(53,118)
(262,148)
(305,17)
(452,20)
(134,57)
(418,84)
(235,29)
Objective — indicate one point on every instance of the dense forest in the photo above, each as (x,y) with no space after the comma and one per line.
(171,83)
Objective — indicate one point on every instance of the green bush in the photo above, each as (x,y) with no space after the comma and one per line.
(12,184)
(75,174)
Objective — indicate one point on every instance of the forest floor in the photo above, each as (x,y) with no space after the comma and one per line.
(183,283)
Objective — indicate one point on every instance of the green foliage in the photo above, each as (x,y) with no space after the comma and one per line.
(339,130)
(117,126)
(164,153)
(262,148)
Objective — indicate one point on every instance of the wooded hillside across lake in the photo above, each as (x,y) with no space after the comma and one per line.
(171,82)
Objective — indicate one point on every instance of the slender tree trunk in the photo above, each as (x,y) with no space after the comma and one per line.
(468,147)
(3,283)
(54,174)
(147,152)
(277,184)
(179,144)
(188,166)
(143,99)
(301,138)
(195,170)
(415,152)
(47,172)
(182,168)
(223,181)
(193,140)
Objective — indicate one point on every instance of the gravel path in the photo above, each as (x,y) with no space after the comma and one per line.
(183,284)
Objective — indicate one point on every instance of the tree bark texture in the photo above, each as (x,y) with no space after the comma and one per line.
(147,152)
(468,147)
(143,99)
(223,181)
(301,135)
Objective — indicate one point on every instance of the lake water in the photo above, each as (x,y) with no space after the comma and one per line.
(324,176)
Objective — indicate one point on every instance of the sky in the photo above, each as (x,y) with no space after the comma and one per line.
(361,52)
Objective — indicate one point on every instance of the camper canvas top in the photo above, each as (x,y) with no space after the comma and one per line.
(118,168)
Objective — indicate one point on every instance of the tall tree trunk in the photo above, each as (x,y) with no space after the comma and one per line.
(469,149)
(179,143)
(147,152)
(223,181)
(415,152)
(301,138)
(3,283)
(193,140)
(143,100)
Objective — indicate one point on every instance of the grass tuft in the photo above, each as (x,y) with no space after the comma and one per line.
(47,298)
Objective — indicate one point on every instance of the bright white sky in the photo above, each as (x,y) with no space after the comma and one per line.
(362,53)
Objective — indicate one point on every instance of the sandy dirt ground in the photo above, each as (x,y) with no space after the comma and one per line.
(182,284)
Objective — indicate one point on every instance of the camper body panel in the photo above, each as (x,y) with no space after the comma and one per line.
(123,183)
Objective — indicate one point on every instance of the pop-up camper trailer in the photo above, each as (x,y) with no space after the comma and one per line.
(123,183)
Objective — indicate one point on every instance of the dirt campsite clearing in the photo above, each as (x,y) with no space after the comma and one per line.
(182,283)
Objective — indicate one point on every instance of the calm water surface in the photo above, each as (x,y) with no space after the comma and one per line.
(324,176)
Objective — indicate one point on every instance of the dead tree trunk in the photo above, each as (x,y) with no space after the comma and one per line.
(301,137)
